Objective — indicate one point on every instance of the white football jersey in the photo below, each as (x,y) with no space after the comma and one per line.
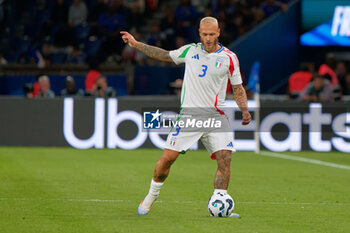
(206,75)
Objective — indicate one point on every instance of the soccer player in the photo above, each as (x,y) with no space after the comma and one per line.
(208,67)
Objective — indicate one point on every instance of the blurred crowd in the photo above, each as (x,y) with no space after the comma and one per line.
(46,32)
(327,82)
(96,85)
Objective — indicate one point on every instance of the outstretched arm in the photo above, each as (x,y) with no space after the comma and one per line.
(151,51)
(240,97)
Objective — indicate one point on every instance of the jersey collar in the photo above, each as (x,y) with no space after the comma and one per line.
(217,51)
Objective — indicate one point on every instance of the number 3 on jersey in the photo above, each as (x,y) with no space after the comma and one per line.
(204,71)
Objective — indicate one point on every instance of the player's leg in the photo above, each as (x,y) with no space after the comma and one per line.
(176,142)
(163,165)
(220,143)
(161,172)
(222,177)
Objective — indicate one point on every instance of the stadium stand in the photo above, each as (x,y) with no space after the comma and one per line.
(39,33)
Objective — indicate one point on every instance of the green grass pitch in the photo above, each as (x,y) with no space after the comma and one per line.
(66,190)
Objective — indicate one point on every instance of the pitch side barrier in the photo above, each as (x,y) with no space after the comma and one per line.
(131,122)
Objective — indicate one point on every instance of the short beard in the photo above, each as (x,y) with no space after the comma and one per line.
(215,43)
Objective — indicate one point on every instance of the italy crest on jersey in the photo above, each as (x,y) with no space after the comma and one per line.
(219,62)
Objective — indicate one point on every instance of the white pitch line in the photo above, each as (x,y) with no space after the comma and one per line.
(294,203)
(59,199)
(180,202)
(305,160)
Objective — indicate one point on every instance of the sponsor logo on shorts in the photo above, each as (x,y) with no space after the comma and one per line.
(230,145)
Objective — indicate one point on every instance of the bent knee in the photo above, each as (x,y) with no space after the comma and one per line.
(168,160)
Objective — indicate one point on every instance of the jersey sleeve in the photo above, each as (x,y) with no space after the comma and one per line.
(179,54)
(234,71)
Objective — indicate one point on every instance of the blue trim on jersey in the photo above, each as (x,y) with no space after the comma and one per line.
(217,51)
(220,49)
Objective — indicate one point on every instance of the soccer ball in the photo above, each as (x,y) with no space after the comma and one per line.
(220,205)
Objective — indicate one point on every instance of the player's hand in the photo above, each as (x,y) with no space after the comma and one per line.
(246,118)
(128,38)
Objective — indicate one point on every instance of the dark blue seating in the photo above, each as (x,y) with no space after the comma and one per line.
(82,32)
(58,58)
(92,45)
(19,47)
(154,80)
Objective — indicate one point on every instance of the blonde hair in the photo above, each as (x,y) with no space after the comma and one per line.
(209,20)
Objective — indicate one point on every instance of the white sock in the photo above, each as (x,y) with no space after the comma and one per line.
(153,193)
(224,191)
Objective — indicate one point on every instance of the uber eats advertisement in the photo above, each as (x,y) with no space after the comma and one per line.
(130,123)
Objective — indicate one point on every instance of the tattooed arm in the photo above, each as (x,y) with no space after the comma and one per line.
(240,97)
(151,51)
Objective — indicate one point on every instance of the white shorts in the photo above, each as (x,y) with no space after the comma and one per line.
(213,141)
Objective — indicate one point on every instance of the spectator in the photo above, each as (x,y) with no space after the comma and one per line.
(102,89)
(57,25)
(119,8)
(111,21)
(154,37)
(346,86)
(319,90)
(237,26)
(75,56)
(78,13)
(258,16)
(59,15)
(327,70)
(2,18)
(185,17)
(43,57)
(200,5)
(137,9)
(298,81)
(175,87)
(168,28)
(91,78)
(137,5)
(64,37)
(151,6)
(225,35)
(3,61)
(1,11)
(180,41)
(70,90)
(217,6)
(341,72)
(97,10)
(110,24)
(32,90)
(44,85)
